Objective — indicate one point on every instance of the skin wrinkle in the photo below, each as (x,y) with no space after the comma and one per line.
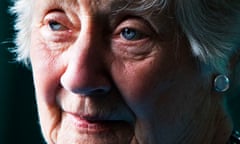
(160,93)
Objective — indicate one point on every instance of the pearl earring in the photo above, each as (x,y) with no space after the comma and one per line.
(221,83)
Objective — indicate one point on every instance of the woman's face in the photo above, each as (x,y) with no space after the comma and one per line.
(108,76)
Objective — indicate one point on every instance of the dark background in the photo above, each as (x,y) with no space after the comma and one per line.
(18,114)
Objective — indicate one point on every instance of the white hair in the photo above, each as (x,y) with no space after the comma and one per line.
(210,26)
(23,25)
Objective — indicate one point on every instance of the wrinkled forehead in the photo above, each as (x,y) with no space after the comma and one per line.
(104,5)
(76,4)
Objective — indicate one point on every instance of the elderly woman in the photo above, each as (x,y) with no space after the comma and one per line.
(131,71)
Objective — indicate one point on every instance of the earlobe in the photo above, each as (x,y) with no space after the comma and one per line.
(221,82)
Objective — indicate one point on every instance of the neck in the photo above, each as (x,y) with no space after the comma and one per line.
(210,126)
(215,128)
(223,129)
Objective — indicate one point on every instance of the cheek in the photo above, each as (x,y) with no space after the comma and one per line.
(46,73)
(46,70)
(44,77)
(142,83)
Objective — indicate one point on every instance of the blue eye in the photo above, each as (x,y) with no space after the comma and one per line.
(55,26)
(131,34)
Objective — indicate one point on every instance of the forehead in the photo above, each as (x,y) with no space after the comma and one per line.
(103,5)
(93,5)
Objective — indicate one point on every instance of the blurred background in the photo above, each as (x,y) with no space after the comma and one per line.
(18,114)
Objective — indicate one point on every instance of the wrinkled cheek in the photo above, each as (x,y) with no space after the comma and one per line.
(46,81)
(50,119)
(138,101)
(48,109)
(144,98)
(140,87)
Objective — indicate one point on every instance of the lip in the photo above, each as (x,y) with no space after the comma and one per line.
(93,126)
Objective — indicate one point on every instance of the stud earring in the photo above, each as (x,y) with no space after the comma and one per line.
(221,83)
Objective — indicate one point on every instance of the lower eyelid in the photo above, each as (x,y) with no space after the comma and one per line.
(131,43)
(56,36)
(133,52)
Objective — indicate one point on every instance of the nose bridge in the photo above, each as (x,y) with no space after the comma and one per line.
(83,56)
(89,43)
(83,53)
(84,70)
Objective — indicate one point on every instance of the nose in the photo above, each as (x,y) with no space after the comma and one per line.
(85,70)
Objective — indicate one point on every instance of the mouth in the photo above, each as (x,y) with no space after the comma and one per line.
(94,125)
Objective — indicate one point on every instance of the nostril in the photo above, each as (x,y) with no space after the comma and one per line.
(103,90)
(100,90)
